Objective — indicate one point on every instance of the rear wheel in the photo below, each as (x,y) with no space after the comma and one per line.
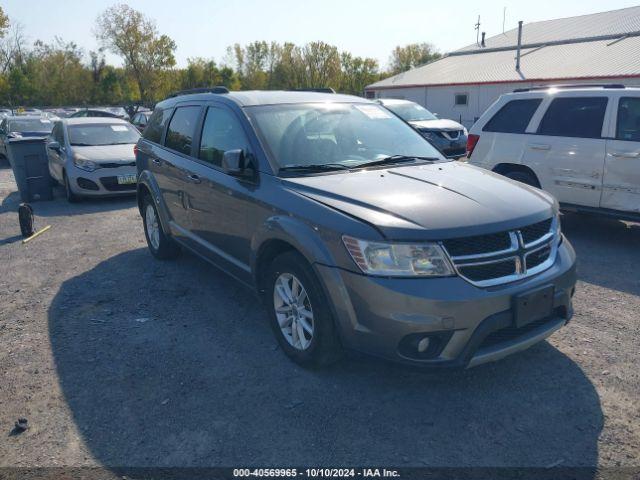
(299,312)
(71,197)
(523,177)
(160,244)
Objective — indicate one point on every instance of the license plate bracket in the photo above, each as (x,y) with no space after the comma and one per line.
(533,305)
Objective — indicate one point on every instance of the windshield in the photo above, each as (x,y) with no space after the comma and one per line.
(102,134)
(43,125)
(411,112)
(349,134)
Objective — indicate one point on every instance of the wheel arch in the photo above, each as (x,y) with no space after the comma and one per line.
(504,168)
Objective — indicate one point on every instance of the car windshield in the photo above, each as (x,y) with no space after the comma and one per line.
(43,125)
(102,134)
(411,112)
(336,134)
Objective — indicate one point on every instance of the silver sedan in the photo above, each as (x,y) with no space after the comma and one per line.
(93,156)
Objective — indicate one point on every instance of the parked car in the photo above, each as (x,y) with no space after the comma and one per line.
(20,126)
(94,112)
(140,120)
(5,112)
(355,231)
(446,135)
(580,143)
(93,156)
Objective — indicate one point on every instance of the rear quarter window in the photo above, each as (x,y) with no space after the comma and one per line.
(513,117)
(580,117)
(157,123)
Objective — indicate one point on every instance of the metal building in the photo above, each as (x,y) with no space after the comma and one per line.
(597,48)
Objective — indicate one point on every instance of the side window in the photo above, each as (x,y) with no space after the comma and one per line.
(136,118)
(182,128)
(157,122)
(628,124)
(580,117)
(513,117)
(221,132)
(142,119)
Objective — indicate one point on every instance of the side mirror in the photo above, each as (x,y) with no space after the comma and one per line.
(234,163)
(54,146)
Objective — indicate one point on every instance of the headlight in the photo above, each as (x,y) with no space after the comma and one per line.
(398,259)
(85,164)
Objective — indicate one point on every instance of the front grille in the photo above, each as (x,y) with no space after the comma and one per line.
(495,258)
(117,164)
(478,273)
(538,257)
(480,244)
(536,231)
(111,184)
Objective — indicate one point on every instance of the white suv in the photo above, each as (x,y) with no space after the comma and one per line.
(580,143)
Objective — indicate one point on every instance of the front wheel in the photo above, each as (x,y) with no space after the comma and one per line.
(71,197)
(160,244)
(299,312)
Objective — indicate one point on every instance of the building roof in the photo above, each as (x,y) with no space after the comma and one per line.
(588,46)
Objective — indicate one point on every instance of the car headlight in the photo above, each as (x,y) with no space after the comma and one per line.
(85,164)
(398,259)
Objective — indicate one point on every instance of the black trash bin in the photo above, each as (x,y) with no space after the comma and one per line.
(28,159)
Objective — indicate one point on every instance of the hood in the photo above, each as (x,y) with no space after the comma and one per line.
(437,125)
(429,202)
(107,153)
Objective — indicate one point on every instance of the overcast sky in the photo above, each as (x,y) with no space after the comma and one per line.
(370,28)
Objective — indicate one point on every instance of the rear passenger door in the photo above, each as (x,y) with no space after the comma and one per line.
(621,186)
(172,167)
(567,151)
(220,203)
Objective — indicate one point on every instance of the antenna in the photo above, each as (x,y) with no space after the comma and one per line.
(477,29)
(504,17)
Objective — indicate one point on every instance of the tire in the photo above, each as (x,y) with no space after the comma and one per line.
(523,177)
(161,245)
(71,197)
(318,346)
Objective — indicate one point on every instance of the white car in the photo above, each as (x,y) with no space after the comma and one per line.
(580,143)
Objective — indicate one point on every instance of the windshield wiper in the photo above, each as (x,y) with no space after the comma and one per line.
(314,167)
(82,145)
(397,159)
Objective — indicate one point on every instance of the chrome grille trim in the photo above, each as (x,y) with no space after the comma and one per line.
(518,251)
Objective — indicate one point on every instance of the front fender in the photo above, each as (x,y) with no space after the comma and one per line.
(305,238)
(148,182)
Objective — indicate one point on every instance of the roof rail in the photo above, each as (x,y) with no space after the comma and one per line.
(318,90)
(192,91)
(569,86)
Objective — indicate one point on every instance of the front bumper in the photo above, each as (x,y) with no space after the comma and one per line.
(476,325)
(101,182)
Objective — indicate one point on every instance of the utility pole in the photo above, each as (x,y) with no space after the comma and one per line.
(477,29)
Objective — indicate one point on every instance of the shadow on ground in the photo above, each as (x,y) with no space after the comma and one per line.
(174,364)
(608,251)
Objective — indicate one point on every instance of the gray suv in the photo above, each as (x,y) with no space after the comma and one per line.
(353,229)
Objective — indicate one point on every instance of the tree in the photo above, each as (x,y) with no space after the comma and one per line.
(4,23)
(411,56)
(357,73)
(146,54)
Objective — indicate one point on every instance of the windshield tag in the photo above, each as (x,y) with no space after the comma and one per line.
(119,128)
(373,111)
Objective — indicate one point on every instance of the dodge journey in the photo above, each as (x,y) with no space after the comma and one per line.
(353,229)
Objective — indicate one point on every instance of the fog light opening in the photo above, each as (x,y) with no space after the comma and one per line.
(423,344)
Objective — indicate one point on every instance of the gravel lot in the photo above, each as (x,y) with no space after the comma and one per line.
(117,359)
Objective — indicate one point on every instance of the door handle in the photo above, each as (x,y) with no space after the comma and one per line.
(539,146)
(194,178)
(157,161)
(626,154)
